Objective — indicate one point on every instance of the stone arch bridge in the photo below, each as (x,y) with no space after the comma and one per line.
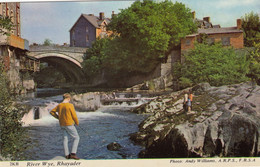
(66,59)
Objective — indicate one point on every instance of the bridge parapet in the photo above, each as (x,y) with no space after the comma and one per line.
(41,51)
(41,48)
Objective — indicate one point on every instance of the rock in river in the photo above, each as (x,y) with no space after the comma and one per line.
(114,146)
(224,122)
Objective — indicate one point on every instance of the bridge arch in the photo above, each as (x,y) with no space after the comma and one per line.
(60,55)
(69,66)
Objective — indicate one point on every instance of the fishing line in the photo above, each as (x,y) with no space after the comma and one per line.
(91,139)
(83,130)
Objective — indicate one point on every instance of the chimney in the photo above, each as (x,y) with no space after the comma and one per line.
(239,24)
(91,14)
(193,15)
(207,19)
(101,16)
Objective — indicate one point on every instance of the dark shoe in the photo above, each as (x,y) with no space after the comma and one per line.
(67,156)
(73,156)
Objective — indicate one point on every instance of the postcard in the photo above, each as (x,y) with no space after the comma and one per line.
(129,83)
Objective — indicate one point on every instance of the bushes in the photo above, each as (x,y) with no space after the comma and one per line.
(254,66)
(213,64)
(12,134)
(251,28)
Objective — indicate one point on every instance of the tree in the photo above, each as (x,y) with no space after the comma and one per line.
(13,139)
(6,25)
(254,59)
(144,34)
(251,27)
(92,64)
(213,64)
(47,42)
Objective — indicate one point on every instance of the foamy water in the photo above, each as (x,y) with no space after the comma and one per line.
(45,106)
(110,123)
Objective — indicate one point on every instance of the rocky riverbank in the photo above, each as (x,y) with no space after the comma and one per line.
(224,122)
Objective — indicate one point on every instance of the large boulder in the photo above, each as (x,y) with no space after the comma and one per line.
(91,101)
(224,121)
(87,101)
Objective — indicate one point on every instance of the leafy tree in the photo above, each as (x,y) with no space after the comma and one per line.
(47,42)
(254,59)
(213,64)
(92,63)
(12,137)
(6,25)
(251,27)
(144,34)
(148,31)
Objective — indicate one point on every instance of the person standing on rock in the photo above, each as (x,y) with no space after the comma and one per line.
(190,96)
(185,101)
(67,118)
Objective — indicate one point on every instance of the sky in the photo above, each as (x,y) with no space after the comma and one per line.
(53,20)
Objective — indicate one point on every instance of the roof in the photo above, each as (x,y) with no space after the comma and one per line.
(224,30)
(94,20)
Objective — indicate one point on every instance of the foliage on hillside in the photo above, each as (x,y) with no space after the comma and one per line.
(13,135)
(143,35)
(251,27)
(214,64)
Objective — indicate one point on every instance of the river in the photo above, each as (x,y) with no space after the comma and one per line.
(112,123)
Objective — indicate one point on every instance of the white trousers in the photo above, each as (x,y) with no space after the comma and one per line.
(70,131)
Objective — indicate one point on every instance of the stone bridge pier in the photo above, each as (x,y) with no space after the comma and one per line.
(67,60)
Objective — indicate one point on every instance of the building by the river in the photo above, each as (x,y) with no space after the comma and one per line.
(13,51)
(228,36)
(88,28)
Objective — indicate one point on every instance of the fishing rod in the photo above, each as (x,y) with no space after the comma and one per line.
(90,137)
(83,130)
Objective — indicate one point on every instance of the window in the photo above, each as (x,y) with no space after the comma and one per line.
(87,38)
(225,41)
(12,16)
(73,43)
(73,34)
(87,29)
(187,42)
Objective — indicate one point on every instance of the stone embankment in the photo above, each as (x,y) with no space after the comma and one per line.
(224,122)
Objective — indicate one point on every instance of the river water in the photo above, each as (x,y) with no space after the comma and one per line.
(97,129)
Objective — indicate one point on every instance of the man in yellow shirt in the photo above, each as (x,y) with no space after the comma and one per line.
(67,118)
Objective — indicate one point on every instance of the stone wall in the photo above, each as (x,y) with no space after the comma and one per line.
(163,80)
(17,83)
